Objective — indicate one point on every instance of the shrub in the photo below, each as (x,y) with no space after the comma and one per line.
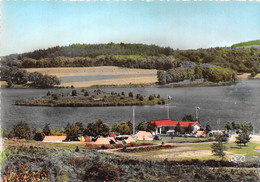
(82,90)
(141,98)
(105,147)
(151,97)
(72,86)
(48,93)
(89,146)
(130,94)
(132,144)
(86,93)
(101,172)
(74,92)
(38,136)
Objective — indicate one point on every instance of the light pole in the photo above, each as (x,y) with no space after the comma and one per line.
(197,113)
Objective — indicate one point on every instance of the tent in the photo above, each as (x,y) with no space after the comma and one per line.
(54,138)
(128,138)
(201,133)
(102,141)
(144,135)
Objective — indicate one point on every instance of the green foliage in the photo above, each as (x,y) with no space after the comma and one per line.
(43,81)
(123,128)
(145,126)
(98,128)
(86,93)
(72,132)
(218,148)
(74,92)
(102,172)
(188,118)
(46,129)
(21,129)
(13,75)
(242,138)
(208,128)
(249,43)
(218,74)
(38,136)
(130,94)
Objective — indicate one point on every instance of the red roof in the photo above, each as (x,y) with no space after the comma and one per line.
(167,122)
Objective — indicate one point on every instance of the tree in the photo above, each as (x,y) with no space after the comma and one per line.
(72,132)
(161,77)
(43,81)
(97,128)
(189,129)
(198,72)
(228,127)
(86,93)
(145,126)
(22,129)
(38,136)
(130,94)
(151,97)
(46,129)
(74,92)
(188,118)
(122,128)
(242,138)
(177,129)
(218,148)
(208,128)
(80,126)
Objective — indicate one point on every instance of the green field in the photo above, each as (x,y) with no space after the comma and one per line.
(232,148)
(249,43)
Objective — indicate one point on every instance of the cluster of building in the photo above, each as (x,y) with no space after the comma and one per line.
(162,127)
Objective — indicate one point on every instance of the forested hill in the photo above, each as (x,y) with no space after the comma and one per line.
(136,56)
(93,50)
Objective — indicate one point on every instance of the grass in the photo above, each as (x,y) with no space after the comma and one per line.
(232,148)
(246,151)
(249,43)
(175,140)
(149,153)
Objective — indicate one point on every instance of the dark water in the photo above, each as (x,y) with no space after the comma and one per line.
(240,103)
(68,79)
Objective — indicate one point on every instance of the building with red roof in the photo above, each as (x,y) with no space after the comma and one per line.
(164,125)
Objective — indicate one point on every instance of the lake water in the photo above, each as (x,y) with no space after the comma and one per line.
(218,105)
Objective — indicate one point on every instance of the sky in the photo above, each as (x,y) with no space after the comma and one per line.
(31,25)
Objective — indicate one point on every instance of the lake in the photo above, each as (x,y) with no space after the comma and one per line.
(218,105)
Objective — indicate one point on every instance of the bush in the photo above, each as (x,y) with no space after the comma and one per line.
(82,90)
(141,98)
(74,92)
(102,172)
(39,136)
(86,93)
(151,97)
(130,94)
(48,93)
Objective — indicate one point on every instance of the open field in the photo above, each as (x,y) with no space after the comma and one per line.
(84,71)
(124,80)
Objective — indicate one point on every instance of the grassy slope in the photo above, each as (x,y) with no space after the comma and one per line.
(249,43)
(233,148)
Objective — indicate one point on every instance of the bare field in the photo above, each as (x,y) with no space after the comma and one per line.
(124,80)
(84,71)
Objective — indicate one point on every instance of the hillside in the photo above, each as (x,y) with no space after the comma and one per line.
(139,56)
(245,44)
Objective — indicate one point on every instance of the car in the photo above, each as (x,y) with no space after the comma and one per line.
(169,132)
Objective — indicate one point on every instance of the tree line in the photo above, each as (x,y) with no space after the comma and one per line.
(17,76)
(213,74)
(136,56)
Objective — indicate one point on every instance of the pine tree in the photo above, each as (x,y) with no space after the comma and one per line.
(218,148)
